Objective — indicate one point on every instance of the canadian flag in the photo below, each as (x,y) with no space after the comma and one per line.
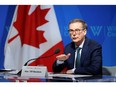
(33,33)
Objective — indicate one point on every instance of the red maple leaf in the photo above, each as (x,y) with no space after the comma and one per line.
(26,25)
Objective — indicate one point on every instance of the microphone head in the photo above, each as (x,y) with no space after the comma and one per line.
(57,51)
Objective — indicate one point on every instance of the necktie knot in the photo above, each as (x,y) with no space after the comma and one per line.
(78,49)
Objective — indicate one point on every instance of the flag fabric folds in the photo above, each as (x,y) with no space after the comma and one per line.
(33,33)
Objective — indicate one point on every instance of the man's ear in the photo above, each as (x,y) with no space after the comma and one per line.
(85,32)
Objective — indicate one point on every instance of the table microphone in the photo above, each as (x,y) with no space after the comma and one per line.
(55,52)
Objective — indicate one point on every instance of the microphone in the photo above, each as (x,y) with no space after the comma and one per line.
(55,52)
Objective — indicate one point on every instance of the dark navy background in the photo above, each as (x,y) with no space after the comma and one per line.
(101,20)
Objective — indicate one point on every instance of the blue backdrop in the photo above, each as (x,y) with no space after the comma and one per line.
(101,20)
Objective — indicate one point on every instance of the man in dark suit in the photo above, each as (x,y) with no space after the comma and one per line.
(82,55)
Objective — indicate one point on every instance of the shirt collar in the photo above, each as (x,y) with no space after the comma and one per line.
(81,45)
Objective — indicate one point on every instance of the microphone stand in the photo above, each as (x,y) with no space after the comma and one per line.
(56,52)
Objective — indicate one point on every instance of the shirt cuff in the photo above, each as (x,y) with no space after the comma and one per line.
(73,70)
(59,62)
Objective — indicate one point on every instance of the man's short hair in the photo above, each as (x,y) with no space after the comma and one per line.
(81,21)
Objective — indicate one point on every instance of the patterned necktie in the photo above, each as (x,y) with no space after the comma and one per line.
(77,62)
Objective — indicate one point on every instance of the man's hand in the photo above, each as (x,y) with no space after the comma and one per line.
(69,71)
(63,57)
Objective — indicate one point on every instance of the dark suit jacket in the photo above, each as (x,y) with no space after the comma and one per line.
(91,59)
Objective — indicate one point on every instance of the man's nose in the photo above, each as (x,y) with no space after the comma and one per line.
(74,33)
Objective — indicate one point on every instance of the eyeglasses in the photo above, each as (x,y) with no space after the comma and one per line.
(76,31)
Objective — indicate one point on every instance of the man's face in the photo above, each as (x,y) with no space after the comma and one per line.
(76,31)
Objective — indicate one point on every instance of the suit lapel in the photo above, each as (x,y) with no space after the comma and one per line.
(84,50)
(73,54)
